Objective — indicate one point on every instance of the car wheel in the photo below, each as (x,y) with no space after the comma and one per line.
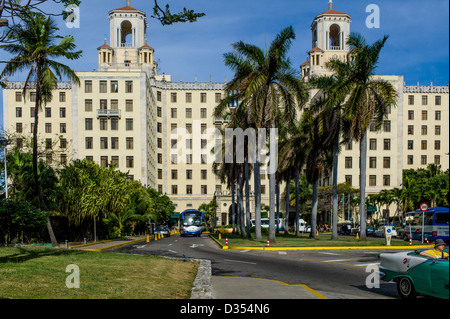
(405,288)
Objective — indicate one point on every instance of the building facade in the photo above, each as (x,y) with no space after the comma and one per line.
(160,131)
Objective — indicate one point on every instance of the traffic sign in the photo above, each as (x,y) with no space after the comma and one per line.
(424,207)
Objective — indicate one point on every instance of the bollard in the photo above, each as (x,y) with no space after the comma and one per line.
(357,235)
(156,236)
(226,241)
(220,236)
(268,242)
(410,241)
(427,240)
(148,238)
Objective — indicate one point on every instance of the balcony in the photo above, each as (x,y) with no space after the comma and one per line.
(108,113)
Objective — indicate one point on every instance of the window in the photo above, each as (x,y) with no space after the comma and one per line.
(159,158)
(114,143)
(159,142)
(437,145)
(48,112)
(174,189)
(159,127)
(173,97)
(437,130)
(437,159)
(424,115)
(129,142)
(410,159)
(103,143)
(423,160)
(63,159)
(348,162)
(218,97)
(189,189)
(62,112)
(410,99)
(115,161)
(88,86)
(62,143)
(372,162)
(423,144)
(114,104)
(19,127)
(189,128)
(18,96)
(129,105)
(188,113)
(103,124)
(202,97)
(437,115)
(203,113)
(174,158)
(410,129)
(89,143)
(386,180)
(437,100)
(174,174)
(424,100)
(372,180)
(88,105)
(386,162)
(410,144)
(160,173)
(129,124)
(158,96)
(188,97)
(18,112)
(62,97)
(424,130)
(114,124)
(48,143)
(32,96)
(173,113)
(410,115)
(188,174)
(103,104)
(128,86)
(204,189)
(348,179)
(373,144)
(114,87)
(387,144)
(62,128)
(104,161)
(387,126)
(204,174)
(49,159)
(103,87)
(48,127)
(130,161)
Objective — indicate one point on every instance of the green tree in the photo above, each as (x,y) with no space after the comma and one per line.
(367,101)
(36,51)
(268,88)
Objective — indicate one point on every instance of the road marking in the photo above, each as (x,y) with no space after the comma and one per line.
(173,251)
(238,261)
(142,246)
(337,260)
(196,245)
(245,250)
(327,253)
(282,253)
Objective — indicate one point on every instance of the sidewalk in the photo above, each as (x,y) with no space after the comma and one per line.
(109,244)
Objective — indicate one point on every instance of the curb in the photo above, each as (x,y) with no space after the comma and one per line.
(318,247)
(202,288)
(107,247)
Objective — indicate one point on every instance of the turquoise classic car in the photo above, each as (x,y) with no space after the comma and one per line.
(415,274)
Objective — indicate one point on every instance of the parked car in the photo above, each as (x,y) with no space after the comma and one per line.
(415,274)
(163,230)
(380,231)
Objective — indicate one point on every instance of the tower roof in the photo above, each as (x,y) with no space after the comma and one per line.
(128,8)
(330,11)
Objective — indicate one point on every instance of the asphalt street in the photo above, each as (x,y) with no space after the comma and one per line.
(330,274)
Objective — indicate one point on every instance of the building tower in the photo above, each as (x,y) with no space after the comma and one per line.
(128,48)
(330,31)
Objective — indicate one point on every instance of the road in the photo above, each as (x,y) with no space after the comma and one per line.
(335,274)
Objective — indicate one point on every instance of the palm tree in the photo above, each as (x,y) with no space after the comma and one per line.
(367,101)
(266,86)
(34,51)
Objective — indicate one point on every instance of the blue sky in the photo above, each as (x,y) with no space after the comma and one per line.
(418,45)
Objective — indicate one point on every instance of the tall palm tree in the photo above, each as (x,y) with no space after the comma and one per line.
(35,51)
(367,101)
(266,85)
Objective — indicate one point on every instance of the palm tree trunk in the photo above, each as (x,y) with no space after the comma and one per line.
(297,203)
(247,199)
(272,172)
(37,186)
(238,206)
(278,208)
(334,234)
(362,189)
(315,197)
(288,191)
(257,181)
(233,208)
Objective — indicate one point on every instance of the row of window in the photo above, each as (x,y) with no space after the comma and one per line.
(174,97)
(203,189)
(104,143)
(424,145)
(48,128)
(424,130)
(424,99)
(88,124)
(437,115)
(423,159)
(372,180)
(103,86)
(19,96)
(105,161)
(188,112)
(47,112)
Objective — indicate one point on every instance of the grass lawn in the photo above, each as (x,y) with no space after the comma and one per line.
(290,240)
(40,273)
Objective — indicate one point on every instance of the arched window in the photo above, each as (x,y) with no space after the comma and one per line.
(334,41)
(126,31)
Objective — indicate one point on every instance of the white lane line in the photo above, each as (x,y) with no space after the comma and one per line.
(173,251)
(282,253)
(336,260)
(238,261)
(245,250)
(327,253)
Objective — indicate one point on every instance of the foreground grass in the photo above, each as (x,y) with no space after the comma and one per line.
(290,240)
(40,273)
